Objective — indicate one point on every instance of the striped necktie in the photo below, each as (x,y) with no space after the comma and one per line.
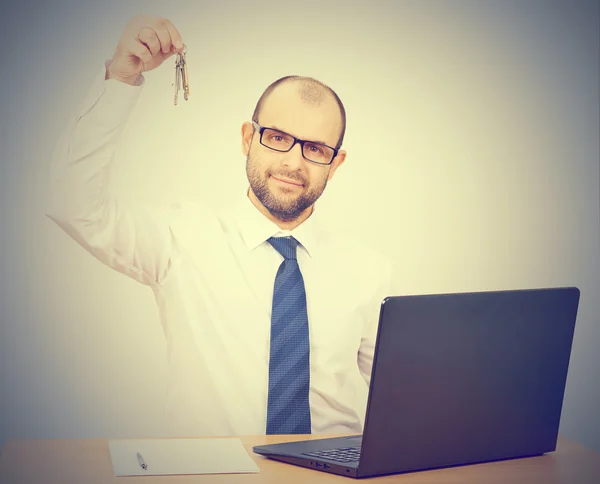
(288,410)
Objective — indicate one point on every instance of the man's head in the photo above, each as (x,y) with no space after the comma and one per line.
(286,183)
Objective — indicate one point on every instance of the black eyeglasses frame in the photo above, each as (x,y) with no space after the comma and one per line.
(261,130)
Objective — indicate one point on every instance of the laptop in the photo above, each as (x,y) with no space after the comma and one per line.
(457,379)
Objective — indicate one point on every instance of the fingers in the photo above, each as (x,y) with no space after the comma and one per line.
(161,35)
(176,39)
(164,38)
(141,51)
(148,38)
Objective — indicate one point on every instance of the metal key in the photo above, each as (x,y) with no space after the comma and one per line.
(184,75)
(177,79)
(181,76)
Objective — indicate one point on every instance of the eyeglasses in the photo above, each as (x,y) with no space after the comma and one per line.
(281,141)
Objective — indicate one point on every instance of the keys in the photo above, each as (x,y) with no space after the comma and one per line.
(181,76)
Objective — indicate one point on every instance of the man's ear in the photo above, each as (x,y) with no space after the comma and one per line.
(337,161)
(247,133)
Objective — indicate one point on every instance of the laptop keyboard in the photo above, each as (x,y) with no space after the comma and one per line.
(344,454)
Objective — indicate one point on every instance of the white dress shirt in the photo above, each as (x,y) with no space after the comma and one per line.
(212,275)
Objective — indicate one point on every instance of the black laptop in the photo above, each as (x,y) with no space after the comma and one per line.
(457,379)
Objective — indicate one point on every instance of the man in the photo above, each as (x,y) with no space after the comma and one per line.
(270,318)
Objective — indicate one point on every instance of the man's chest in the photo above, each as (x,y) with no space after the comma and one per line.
(228,297)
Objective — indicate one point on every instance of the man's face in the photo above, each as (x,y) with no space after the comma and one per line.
(285,183)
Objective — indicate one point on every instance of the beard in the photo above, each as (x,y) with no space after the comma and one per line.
(282,207)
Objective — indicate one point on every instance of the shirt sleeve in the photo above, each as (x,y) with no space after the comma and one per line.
(383,289)
(133,240)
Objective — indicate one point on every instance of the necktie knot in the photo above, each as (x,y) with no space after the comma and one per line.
(286,246)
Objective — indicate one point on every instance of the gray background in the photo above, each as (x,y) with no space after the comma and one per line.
(473,163)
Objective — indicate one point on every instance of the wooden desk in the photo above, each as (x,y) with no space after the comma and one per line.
(87,461)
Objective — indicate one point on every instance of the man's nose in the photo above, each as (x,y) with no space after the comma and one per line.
(294,158)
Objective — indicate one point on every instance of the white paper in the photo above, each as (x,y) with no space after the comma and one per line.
(180,456)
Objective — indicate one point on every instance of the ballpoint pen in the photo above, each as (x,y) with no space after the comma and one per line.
(141,461)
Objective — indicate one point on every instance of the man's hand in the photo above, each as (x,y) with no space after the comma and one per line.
(145,44)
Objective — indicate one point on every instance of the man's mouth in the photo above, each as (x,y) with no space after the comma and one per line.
(287,181)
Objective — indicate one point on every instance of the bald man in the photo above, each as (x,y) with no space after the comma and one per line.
(270,317)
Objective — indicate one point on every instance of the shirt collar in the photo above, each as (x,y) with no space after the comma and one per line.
(255,228)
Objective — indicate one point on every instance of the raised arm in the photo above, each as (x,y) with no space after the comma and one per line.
(131,240)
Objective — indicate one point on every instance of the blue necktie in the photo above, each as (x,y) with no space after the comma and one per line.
(288,410)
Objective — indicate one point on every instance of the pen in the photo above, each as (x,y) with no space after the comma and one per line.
(141,461)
